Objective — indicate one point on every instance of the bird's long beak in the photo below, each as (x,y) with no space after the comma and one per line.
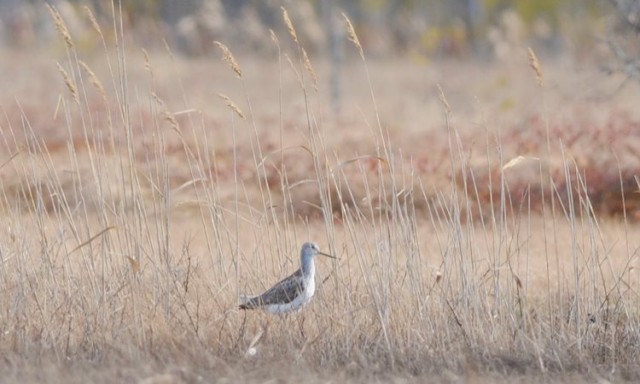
(327,255)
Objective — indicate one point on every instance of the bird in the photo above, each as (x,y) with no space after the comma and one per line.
(293,292)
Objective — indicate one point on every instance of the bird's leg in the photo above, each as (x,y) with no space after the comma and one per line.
(241,331)
(301,326)
(265,327)
(284,321)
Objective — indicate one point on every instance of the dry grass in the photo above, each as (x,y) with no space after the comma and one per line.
(128,237)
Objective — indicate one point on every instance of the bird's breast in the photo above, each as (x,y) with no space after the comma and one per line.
(310,287)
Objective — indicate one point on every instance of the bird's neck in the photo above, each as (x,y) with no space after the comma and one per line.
(308,268)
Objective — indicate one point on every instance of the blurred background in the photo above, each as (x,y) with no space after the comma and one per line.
(420,29)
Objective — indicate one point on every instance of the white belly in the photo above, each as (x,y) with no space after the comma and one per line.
(296,304)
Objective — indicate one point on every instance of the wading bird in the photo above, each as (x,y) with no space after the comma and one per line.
(293,292)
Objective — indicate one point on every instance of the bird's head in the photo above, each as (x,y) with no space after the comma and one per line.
(311,249)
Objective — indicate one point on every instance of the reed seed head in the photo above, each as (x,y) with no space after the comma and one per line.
(274,38)
(351,32)
(71,86)
(309,68)
(61,26)
(93,20)
(228,57)
(535,65)
(289,24)
(97,84)
(444,101)
(232,105)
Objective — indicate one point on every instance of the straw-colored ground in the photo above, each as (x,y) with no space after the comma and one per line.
(136,209)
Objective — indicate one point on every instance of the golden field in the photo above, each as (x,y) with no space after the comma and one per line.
(484,215)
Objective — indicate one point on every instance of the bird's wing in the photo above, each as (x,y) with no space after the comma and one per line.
(281,293)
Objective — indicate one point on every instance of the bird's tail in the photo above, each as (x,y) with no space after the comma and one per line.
(245,302)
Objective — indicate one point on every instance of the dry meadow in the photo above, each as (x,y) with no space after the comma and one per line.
(484,215)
